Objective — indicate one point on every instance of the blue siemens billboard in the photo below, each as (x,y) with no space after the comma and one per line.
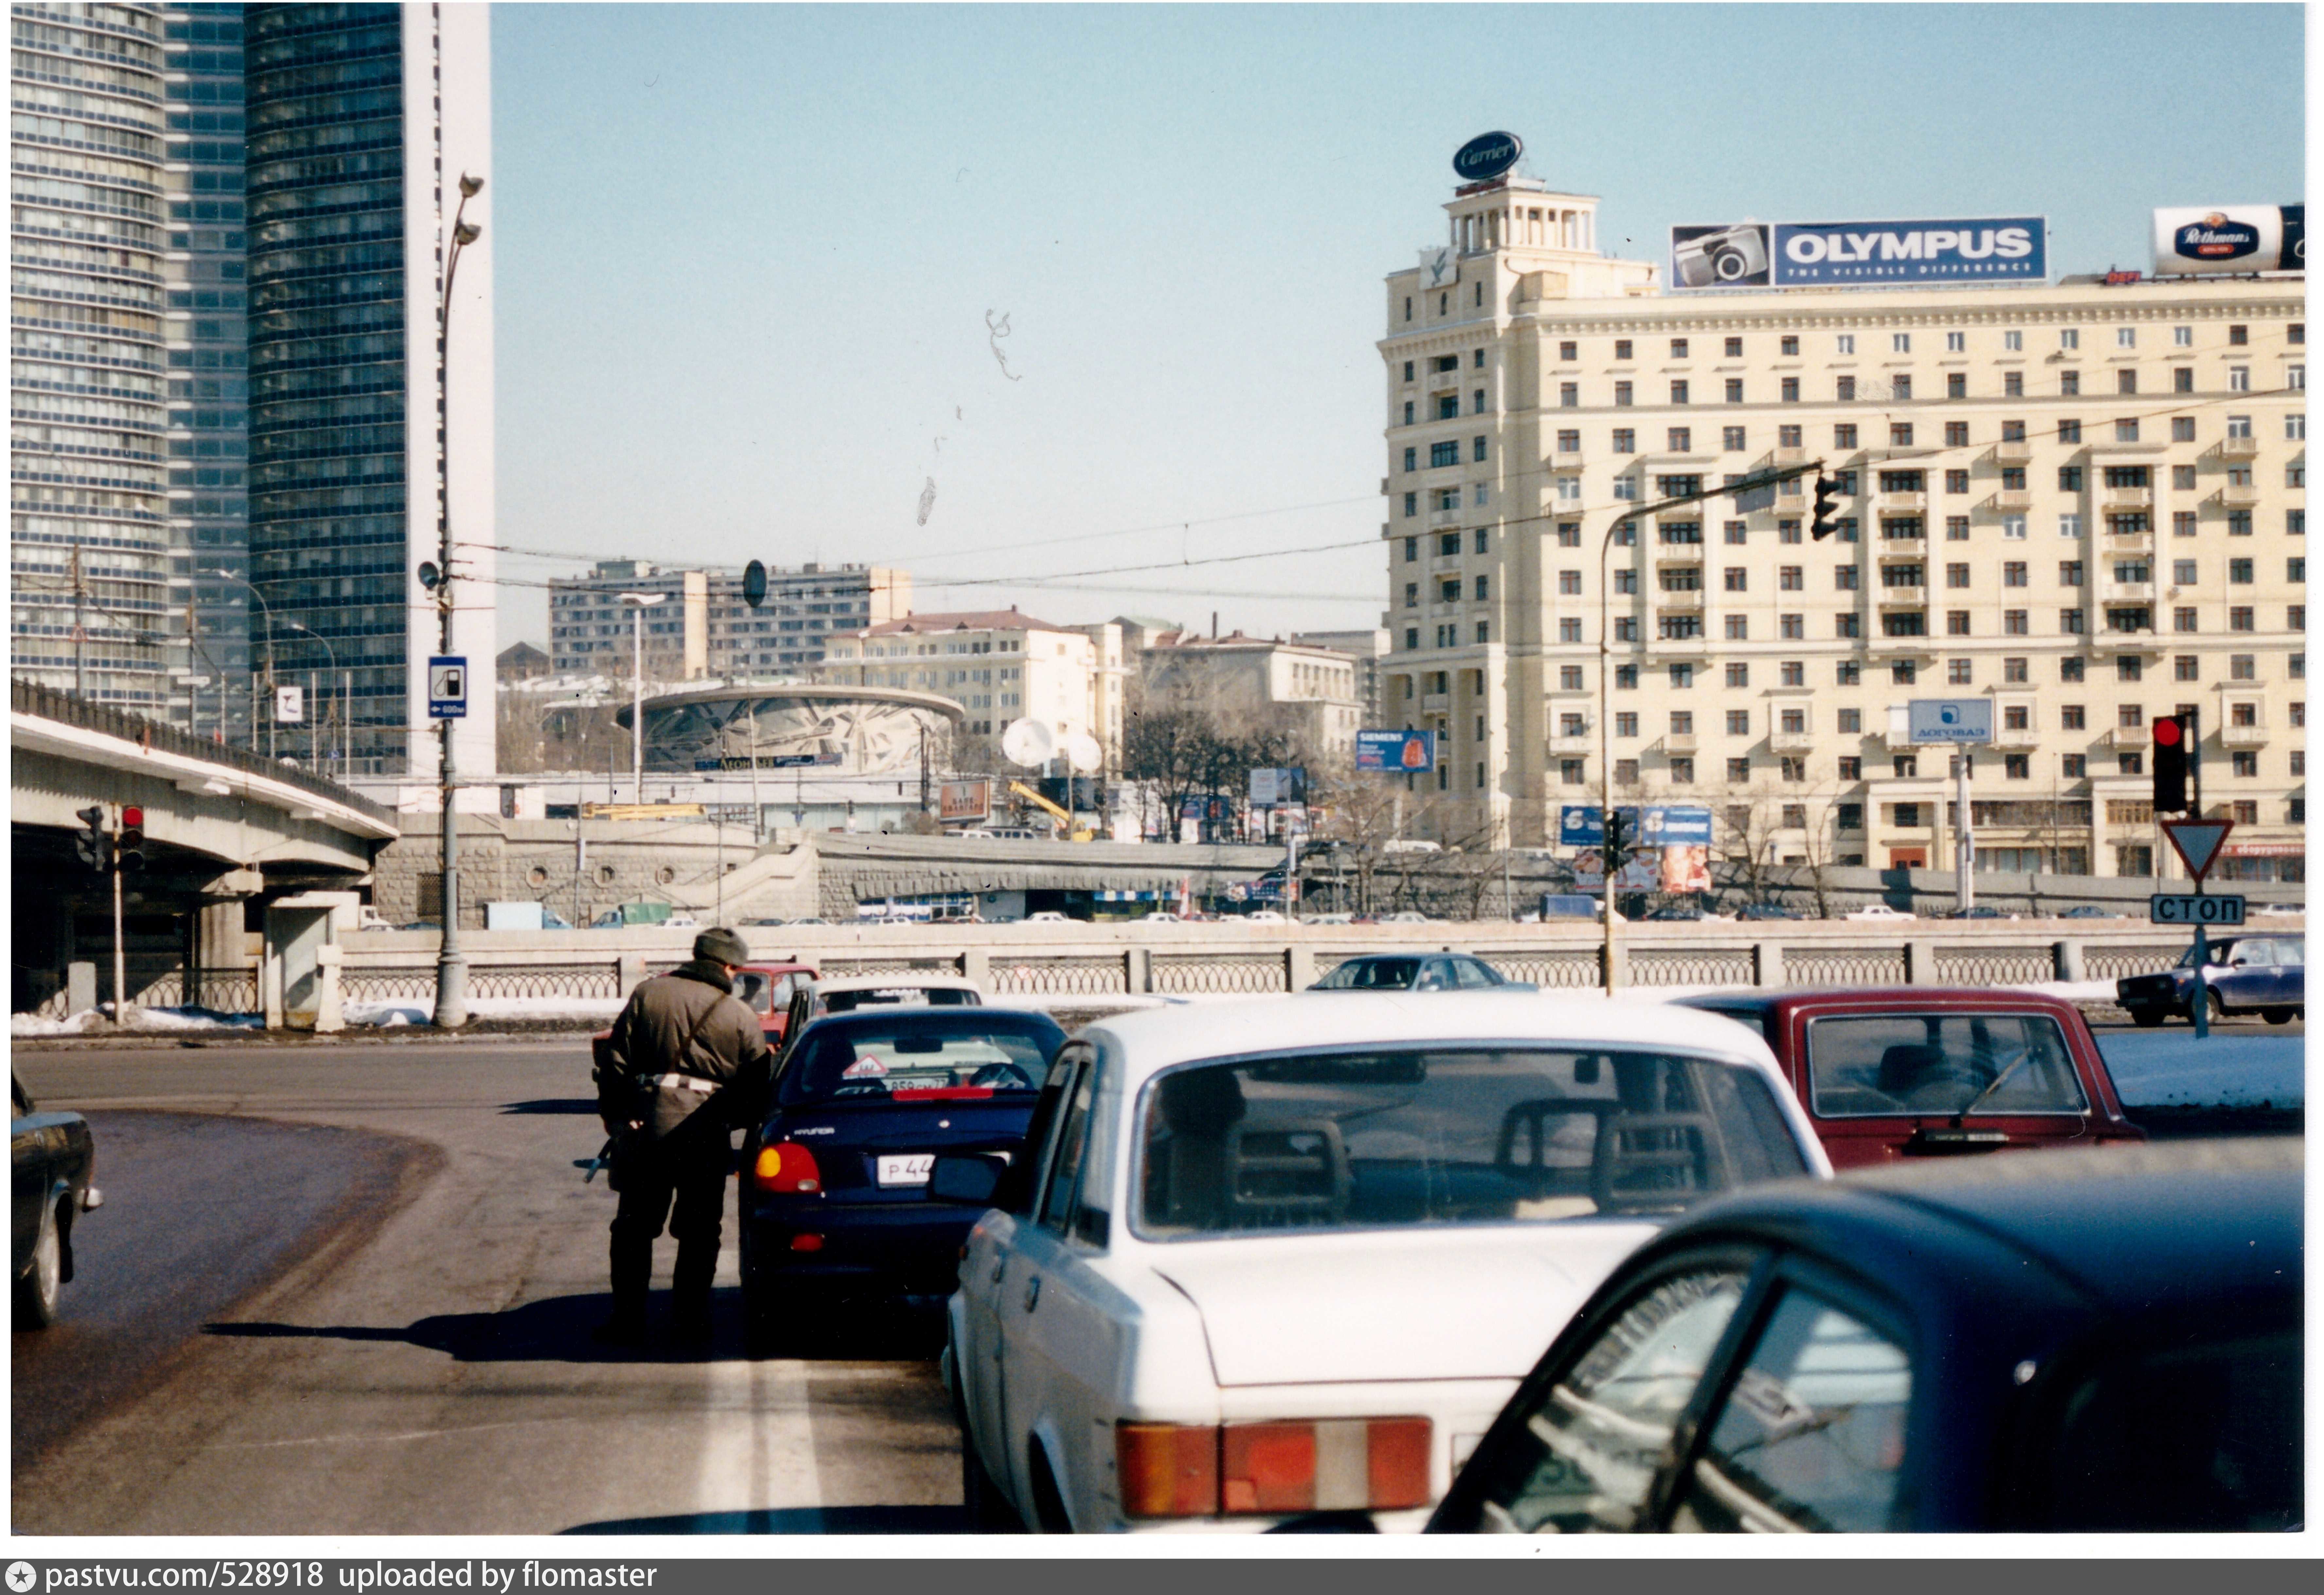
(1859,255)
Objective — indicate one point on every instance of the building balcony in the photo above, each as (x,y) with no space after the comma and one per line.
(1922,646)
(1441,519)
(2123,738)
(2129,542)
(2143,640)
(2016,451)
(2239,495)
(1437,382)
(1435,703)
(1566,459)
(1912,550)
(1573,744)
(1790,741)
(2238,448)
(2127,593)
(1677,553)
(1901,597)
(1681,743)
(2128,498)
(1784,458)
(2243,736)
(2015,736)
(1689,599)
(2013,498)
(1901,504)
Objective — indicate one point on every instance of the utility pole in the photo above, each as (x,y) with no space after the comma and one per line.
(451,966)
(81,626)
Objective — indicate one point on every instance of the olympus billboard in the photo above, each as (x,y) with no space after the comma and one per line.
(1859,255)
(2230,240)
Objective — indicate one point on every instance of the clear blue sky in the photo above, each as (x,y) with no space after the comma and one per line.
(747,253)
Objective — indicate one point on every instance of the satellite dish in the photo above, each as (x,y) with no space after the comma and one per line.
(1028,742)
(1084,753)
(754,584)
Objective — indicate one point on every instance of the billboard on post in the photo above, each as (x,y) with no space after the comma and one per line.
(1859,255)
(1397,752)
(2230,240)
(960,801)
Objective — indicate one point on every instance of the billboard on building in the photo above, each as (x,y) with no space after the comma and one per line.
(1859,255)
(1406,752)
(1271,789)
(2230,240)
(1581,825)
(964,801)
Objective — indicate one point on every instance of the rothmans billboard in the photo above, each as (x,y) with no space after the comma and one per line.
(1859,255)
(2230,240)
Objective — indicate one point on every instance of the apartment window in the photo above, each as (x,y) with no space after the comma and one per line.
(2013,528)
(1411,549)
(1845,343)
(1956,342)
(1569,440)
(2073,622)
(1621,348)
(1731,439)
(2015,622)
(1448,406)
(2239,571)
(1477,403)
(2183,523)
(2244,766)
(2239,523)
(1794,770)
(2240,618)
(2070,524)
(2186,667)
(1569,351)
(1682,440)
(1956,672)
(2069,573)
(1845,390)
(1569,395)
(2295,426)
(1569,772)
(2013,669)
(1412,637)
(1788,532)
(2012,384)
(2238,379)
(2012,573)
(1956,386)
(2070,669)
(1792,673)
(1626,440)
(1411,503)
(1626,628)
(1956,529)
(1843,436)
(1789,390)
(1569,678)
(1621,393)
(1957,622)
(1569,583)
(1848,673)
(1447,453)
(1845,577)
(1792,626)
(1448,543)
(2069,431)
(1681,675)
(1739,773)
(1569,629)
(1739,722)
(1625,772)
(1481,496)
(1678,390)
(2295,569)
(2238,335)
(1847,625)
(1412,595)
(2182,478)
(2243,666)
(1482,586)
(1478,452)
(1569,534)
(1737,578)
(2182,379)
(1900,433)
(2128,670)
(2126,382)
(2125,431)
(1412,459)
(2182,618)
(1733,533)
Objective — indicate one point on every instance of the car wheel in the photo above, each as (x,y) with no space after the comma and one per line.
(2145,1018)
(980,1498)
(2219,1005)
(1048,1501)
(37,1292)
(2277,1016)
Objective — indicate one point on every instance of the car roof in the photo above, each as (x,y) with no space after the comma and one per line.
(1915,999)
(918,1014)
(2137,1228)
(1152,1040)
(926,980)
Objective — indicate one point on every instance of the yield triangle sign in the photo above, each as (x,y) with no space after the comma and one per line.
(2198,842)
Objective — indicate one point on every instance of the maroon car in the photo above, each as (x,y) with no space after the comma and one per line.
(764,988)
(1920,1070)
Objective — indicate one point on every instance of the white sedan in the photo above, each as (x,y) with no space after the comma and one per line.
(1294,1257)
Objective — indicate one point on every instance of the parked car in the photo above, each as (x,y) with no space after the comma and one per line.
(1265,916)
(1296,1261)
(1922,1071)
(1418,972)
(1411,845)
(2281,910)
(1765,911)
(1330,919)
(1876,911)
(1048,916)
(765,989)
(836,1204)
(2262,974)
(1978,911)
(2107,1342)
(811,998)
(2089,911)
(51,1158)
(1557,905)
(1406,916)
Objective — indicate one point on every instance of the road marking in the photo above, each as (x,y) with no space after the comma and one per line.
(758,1449)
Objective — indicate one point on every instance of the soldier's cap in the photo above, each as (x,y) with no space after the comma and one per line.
(722,945)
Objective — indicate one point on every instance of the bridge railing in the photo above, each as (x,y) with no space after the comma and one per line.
(30,697)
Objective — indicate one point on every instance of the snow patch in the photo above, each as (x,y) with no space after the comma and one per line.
(98,1021)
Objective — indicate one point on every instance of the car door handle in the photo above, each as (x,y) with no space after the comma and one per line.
(1032,1293)
(999,1266)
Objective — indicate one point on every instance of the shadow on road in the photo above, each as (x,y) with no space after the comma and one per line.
(559,1330)
(576,1105)
(795,1520)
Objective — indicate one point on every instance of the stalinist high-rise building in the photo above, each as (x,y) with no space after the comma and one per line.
(2082,500)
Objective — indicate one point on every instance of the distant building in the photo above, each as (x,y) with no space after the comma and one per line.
(998,665)
(1366,648)
(703,628)
(1314,689)
(522,662)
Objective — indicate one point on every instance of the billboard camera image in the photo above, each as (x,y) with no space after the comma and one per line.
(1719,257)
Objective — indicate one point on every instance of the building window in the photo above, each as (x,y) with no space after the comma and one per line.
(1447,453)
(1789,390)
(1621,393)
(2073,622)
(2126,382)
(1478,452)
(1569,395)
(1569,440)
(1626,440)
(1569,629)
(2012,573)
(1845,343)
(1731,439)
(1848,673)
(1682,440)
(1621,348)
(2238,379)
(2183,619)
(1569,534)
(1956,622)
(2012,384)
(2240,618)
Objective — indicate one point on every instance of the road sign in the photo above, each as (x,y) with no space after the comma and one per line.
(447,686)
(2197,842)
(1409,752)
(1950,720)
(290,706)
(2195,907)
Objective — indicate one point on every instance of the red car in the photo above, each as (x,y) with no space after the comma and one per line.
(766,988)
(1921,1071)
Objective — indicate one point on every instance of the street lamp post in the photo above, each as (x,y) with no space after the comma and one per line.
(313,745)
(1637,518)
(638,603)
(267,610)
(451,966)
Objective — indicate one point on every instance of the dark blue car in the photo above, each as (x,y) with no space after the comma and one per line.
(835,1199)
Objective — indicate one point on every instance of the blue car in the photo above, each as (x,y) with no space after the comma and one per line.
(834,1203)
(2262,974)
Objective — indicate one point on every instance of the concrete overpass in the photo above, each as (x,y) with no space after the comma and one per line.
(224,829)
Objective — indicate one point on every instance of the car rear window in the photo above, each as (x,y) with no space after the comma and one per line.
(919,1055)
(1372,974)
(1373,1139)
(1884,1065)
(895,996)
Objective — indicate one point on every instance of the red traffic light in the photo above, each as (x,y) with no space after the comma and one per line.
(2167,731)
(132,819)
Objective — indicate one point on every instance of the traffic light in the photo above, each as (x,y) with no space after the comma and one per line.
(129,853)
(95,847)
(2170,764)
(1827,505)
(1617,841)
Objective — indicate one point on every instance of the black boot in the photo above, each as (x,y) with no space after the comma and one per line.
(698,1265)
(632,1271)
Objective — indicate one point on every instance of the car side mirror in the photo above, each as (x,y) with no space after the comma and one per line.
(970,1181)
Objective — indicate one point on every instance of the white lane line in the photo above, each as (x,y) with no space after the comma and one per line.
(758,1449)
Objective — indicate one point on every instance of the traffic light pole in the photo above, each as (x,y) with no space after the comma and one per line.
(120,958)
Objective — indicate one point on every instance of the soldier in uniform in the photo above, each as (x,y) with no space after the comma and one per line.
(687,1061)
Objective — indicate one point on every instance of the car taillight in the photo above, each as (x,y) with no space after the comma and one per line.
(785,1168)
(1332,1464)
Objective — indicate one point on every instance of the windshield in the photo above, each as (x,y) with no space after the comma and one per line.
(751,989)
(920,1056)
(1443,1135)
(1371,975)
(1934,1063)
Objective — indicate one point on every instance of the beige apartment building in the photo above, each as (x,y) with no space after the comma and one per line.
(1313,692)
(1000,666)
(2082,501)
(704,627)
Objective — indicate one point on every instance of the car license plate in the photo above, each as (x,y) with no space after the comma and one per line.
(909,1169)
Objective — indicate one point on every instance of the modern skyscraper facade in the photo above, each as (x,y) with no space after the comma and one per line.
(89,540)
(2083,501)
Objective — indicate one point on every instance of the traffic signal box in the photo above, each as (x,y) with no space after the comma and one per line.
(1827,505)
(2170,764)
(94,845)
(130,850)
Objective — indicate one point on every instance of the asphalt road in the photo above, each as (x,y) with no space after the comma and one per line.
(361,1304)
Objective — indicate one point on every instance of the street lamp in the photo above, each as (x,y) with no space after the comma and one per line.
(267,610)
(314,753)
(639,602)
(451,967)
(1756,481)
